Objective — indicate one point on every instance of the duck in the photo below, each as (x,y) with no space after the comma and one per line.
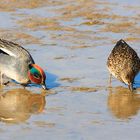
(123,63)
(17,64)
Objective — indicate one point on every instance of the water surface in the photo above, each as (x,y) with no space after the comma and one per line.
(71,41)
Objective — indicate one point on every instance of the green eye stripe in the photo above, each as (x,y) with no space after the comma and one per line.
(34,71)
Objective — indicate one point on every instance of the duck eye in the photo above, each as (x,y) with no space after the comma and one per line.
(36,76)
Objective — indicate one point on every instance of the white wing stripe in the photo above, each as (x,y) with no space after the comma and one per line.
(8,52)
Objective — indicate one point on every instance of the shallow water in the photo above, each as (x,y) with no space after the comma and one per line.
(71,41)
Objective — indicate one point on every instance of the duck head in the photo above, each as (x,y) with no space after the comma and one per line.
(37,75)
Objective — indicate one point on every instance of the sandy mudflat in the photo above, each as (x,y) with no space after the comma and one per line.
(71,41)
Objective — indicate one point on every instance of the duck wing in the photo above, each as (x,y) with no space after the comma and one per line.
(15,50)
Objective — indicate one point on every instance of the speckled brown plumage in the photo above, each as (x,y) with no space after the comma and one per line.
(124,63)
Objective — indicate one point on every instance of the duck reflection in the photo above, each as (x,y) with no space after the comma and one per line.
(19,104)
(122,103)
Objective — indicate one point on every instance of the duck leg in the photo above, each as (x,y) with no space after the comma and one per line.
(2,82)
(24,86)
(110,77)
(130,86)
(6,83)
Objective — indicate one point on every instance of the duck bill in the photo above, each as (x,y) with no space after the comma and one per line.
(44,87)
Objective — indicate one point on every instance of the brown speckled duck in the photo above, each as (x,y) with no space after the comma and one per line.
(123,63)
(17,63)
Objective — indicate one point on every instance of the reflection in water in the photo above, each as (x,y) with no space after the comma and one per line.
(17,105)
(122,103)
